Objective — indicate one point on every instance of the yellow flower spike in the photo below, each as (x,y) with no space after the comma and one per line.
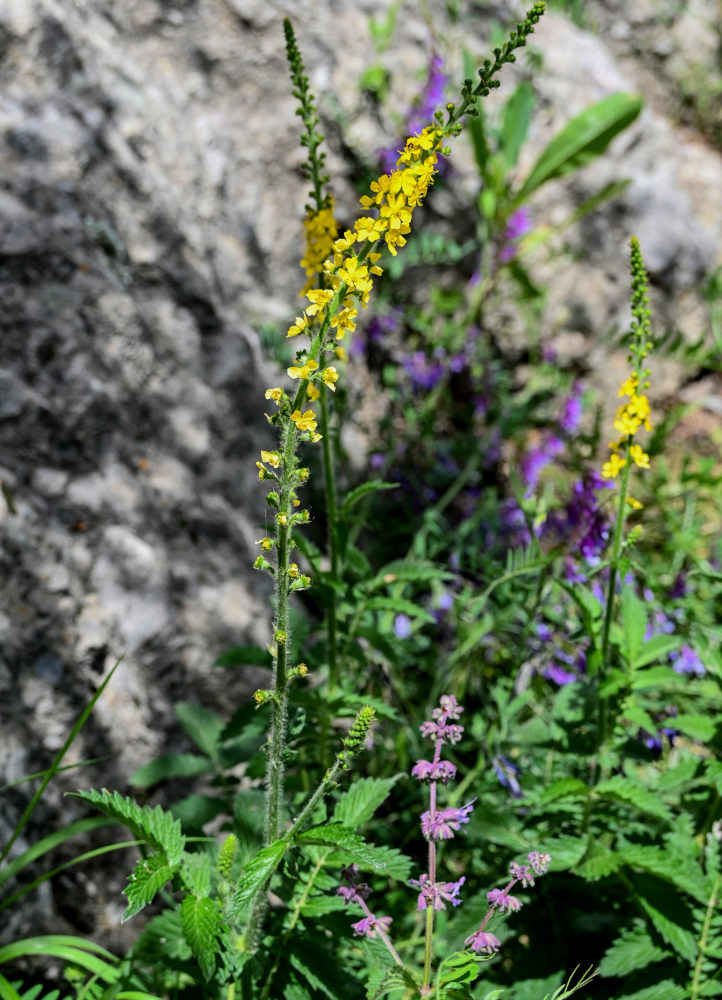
(639,456)
(330,375)
(272,457)
(611,469)
(275,394)
(313,393)
(303,371)
(629,386)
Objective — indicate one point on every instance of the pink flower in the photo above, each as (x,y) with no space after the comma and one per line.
(370,926)
(427,770)
(508,904)
(522,873)
(483,941)
(445,822)
(437,894)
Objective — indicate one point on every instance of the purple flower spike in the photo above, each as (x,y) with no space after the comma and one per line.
(435,731)
(686,661)
(427,770)
(506,903)
(445,822)
(371,926)
(483,941)
(539,862)
(437,894)
(522,873)
(353,893)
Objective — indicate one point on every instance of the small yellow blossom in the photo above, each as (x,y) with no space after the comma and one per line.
(313,393)
(282,519)
(266,544)
(319,299)
(611,469)
(629,386)
(634,504)
(299,326)
(304,421)
(272,457)
(340,353)
(639,456)
(304,370)
(293,571)
(274,394)
(330,375)
(315,437)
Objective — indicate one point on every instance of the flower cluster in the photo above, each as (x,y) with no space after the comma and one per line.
(634,414)
(499,899)
(320,230)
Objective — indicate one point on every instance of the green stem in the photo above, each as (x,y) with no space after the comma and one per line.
(331,513)
(609,611)
(427,948)
(702,947)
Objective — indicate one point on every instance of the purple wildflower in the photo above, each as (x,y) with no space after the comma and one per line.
(521,873)
(679,587)
(437,894)
(686,661)
(371,926)
(353,893)
(518,225)
(445,822)
(559,675)
(537,459)
(428,770)
(483,941)
(505,902)
(507,773)
(402,626)
(539,862)
(572,410)
(423,373)
(436,731)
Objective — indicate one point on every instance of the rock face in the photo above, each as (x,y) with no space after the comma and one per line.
(149,230)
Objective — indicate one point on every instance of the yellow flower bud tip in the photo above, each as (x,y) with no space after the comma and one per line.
(259,697)
(274,394)
(296,502)
(316,437)
(266,544)
(272,457)
(302,669)
(282,519)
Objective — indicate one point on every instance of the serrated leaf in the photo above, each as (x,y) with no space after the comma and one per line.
(666,990)
(697,727)
(203,726)
(172,765)
(408,571)
(395,978)
(196,872)
(372,486)
(565,788)
(201,923)
(154,826)
(683,871)
(654,649)
(318,967)
(598,864)
(657,678)
(352,845)
(565,851)
(680,939)
(634,624)
(399,606)
(459,967)
(258,870)
(635,794)
(356,806)
(149,875)
(634,949)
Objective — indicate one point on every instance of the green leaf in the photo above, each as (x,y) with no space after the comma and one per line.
(245,656)
(635,794)
(157,828)
(356,806)
(408,571)
(196,873)
(74,950)
(515,123)
(657,678)
(395,978)
(697,727)
(654,649)
(201,923)
(372,486)
(258,870)
(319,968)
(8,992)
(598,863)
(634,624)
(398,606)
(682,871)
(581,140)
(634,949)
(565,851)
(459,967)
(351,844)
(680,939)
(172,765)
(203,726)
(666,990)
(149,875)
(565,788)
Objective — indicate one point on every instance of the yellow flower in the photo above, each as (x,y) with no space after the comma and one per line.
(266,544)
(313,393)
(629,386)
(272,457)
(304,421)
(330,375)
(304,370)
(319,298)
(340,353)
(634,504)
(639,456)
(315,437)
(293,571)
(274,394)
(298,327)
(610,469)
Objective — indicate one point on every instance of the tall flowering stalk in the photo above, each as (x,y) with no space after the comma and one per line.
(345,282)
(626,451)
(439,824)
